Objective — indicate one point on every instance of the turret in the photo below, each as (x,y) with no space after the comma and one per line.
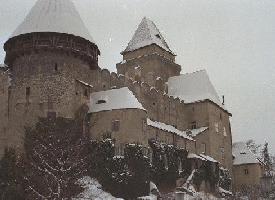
(52,26)
(48,52)
(148,57)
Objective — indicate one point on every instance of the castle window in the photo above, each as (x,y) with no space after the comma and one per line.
(158,36)
(28,93)
(194,125)
(224,132)
(203,148)
(217,127)
(222,152)
(86,93)
(154,104)
(246,172)
(100,101)
(56,67)
(115,125)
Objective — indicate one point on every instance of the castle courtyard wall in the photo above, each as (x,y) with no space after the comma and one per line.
(131,126)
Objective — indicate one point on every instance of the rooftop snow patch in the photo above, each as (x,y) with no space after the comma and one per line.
(58,16)
(168,128)
(147,34)
(193,87)
(201,157)
(114,99)
(242,154)
(195,132)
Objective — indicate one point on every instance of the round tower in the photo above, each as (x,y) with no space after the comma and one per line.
(47,54)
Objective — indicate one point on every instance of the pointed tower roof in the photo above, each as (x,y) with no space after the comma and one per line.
(58,16)
(147,34)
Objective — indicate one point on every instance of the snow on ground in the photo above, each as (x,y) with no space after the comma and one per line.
(93,190)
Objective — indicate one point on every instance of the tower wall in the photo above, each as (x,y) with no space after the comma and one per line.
(44,72)
(148,65)
(4,85)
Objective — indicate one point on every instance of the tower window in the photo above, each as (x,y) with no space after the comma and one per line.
(28,91)
(86,93)
(246,172)
(100,102)
(56,67)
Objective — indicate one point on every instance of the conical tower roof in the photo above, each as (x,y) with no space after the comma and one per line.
(147,34)
(58,16)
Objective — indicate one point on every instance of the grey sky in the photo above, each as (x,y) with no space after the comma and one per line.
(234,40)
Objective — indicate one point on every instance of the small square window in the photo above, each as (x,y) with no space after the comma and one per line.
(246,172)
(115,125)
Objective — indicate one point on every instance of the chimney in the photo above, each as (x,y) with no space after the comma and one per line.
(222,99)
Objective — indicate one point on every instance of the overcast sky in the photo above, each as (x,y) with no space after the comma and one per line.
(234,40)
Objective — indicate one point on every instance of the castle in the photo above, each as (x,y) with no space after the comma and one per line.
(52,71)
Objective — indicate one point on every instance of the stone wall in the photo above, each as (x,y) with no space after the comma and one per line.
(150,64)
(43,83)
(217,139)
(4,84)
(124,125)
(246,175)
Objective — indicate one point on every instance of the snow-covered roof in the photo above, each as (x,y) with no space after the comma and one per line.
(193,87)
(208,158)
(113,99)
(168,128)
(194,156)
(195,132)
(242,154)
(58,16)
(147,34)
(201,157)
